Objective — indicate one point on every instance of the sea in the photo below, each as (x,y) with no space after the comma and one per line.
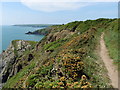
(10,32)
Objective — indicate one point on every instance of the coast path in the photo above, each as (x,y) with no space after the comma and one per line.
(112,71)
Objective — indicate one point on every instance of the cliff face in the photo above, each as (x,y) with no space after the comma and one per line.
(12,58)
(64,58)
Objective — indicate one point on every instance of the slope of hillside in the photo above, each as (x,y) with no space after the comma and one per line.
(67,57)
(112,41)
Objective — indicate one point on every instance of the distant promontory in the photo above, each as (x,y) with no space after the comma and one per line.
(33,25)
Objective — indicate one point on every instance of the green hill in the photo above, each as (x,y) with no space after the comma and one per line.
(67,57)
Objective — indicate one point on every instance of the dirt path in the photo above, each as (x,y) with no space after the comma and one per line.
(112,72)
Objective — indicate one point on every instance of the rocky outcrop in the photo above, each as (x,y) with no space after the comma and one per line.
(64,55)
(58,35)
(39,32)
(29,32)
(10,58)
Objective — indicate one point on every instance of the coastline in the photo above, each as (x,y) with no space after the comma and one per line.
(1,61)
(65,42)
(17,33)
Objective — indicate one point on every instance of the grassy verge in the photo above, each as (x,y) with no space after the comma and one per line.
(111,41)
(94,68)
(69,58)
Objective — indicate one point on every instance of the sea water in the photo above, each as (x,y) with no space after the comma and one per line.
(9,33)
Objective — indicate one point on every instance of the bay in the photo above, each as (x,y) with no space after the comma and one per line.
(9,33)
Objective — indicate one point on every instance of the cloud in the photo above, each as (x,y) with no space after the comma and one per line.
(9,0)
(59,5)
(53,6)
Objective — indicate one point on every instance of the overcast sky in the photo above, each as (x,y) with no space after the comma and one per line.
(24,12)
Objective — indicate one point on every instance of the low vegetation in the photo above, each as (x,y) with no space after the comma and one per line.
(71,61)
(112,42)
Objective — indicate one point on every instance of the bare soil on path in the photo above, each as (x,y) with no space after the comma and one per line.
(112,71)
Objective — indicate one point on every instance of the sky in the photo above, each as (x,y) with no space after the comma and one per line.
(52,12)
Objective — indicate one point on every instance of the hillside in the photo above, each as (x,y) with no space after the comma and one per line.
(67,57)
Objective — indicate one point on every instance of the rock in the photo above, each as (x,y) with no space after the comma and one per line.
(9,58)
(30,57)
(29,32)
(59,35)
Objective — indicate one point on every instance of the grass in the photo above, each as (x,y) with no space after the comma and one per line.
(95,69)
(55,44)
(12,81)
(76,51)
(94,66)
(32,43)
(111,41)
(15,46)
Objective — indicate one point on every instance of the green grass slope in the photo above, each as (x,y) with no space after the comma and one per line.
(68,57)
(111,39)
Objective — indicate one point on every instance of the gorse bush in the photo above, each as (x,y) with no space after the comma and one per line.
(71,59)
(61,83)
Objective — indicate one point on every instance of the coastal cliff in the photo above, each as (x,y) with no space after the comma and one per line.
(13,59)
(67,57)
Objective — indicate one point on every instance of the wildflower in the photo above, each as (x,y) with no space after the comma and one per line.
(84,77)
(85,86)
(60,83)
(75,83)
(62,79)
(50,84)
(68,84)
